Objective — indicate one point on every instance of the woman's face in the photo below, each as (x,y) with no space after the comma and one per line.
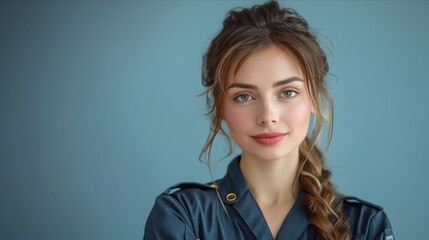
(267,107)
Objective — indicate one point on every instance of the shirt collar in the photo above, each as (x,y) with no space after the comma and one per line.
(296,221)
(233,188)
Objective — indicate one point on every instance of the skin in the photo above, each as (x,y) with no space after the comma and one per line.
(268,94)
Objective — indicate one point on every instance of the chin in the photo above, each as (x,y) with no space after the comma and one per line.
(272,155)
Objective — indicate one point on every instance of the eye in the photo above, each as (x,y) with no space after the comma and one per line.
(288,93)
(242,98)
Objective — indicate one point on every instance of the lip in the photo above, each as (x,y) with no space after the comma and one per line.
(269,138)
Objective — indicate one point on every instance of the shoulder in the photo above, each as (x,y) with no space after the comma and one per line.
(177,208)
(352,203)
(184,195)
(190,186)
(186,192)
(367,220)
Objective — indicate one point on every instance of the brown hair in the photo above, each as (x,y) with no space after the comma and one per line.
(246,31)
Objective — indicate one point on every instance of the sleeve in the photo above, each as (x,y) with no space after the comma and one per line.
(380,227)
(168,220)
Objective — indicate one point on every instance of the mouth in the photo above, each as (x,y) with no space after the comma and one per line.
(269,138)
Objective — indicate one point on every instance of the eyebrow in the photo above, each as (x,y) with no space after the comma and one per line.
(276,84)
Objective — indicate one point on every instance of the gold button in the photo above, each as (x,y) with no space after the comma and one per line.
(231,197)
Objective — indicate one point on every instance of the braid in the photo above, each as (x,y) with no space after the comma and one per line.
(323,205)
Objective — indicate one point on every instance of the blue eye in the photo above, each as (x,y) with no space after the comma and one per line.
(288,93)
(243,98)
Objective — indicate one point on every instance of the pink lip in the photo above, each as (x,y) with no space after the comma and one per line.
(269,138)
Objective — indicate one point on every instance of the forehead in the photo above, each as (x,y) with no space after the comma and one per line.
(268,64)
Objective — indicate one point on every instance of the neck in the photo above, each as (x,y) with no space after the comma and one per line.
(271,181)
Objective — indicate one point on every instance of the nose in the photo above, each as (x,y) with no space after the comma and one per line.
(268,114)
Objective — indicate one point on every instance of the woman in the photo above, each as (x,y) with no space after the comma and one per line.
(264,74)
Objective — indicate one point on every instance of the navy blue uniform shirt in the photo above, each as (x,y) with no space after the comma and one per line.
(194,211)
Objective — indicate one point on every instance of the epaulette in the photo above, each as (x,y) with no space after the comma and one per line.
(351,199)
(189,185)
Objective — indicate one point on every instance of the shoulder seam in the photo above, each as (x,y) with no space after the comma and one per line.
(352,199)
(187,185)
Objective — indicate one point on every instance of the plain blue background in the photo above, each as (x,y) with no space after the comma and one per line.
(99,110)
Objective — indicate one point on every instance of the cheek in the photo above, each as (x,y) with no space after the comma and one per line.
(235,119)
(298,116)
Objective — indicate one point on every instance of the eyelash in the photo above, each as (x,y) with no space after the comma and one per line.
(289,91)
(241,95)
(239,98)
